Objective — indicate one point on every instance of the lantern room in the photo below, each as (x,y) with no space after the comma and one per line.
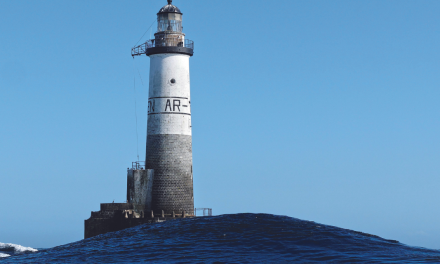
(169,37)
(169,18)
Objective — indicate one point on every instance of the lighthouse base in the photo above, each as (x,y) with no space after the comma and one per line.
(137,211)
(117,216)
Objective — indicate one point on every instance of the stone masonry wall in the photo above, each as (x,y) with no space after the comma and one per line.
(171,158)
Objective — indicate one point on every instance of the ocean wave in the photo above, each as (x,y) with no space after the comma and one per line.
(240,238)
(8,247)
(4,255)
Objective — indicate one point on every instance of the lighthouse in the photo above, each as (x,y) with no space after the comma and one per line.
(169,137)
(161,188)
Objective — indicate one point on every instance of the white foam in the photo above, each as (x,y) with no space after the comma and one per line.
(4,255)
(16,248)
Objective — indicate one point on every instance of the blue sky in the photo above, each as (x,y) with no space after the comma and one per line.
(320,110)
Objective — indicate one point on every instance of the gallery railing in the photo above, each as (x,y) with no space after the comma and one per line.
(162,42)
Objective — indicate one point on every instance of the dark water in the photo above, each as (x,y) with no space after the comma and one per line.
(238,238)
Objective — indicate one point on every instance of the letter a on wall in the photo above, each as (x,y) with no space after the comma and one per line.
(168,105)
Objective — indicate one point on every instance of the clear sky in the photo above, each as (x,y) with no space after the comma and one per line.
(320,110)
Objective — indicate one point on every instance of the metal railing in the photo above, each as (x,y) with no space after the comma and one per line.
(138,165)
(162,42)
(206,211)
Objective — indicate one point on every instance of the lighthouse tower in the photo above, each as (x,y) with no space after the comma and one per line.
(162,188)
(169,140)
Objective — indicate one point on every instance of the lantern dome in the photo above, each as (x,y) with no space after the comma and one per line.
(170,8)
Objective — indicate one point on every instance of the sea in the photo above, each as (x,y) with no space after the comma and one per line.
(232,238)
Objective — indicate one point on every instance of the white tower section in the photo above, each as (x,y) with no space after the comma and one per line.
(169,104)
